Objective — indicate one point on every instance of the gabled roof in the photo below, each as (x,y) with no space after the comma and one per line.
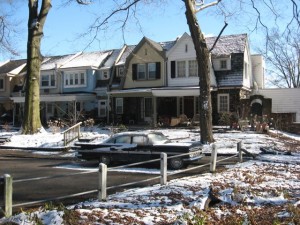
(156,46)
(13,67)
(227,44)
(88,59)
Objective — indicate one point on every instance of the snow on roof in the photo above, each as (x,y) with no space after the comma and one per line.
(52,62)
(111,60)
(167,45)
(125,54)
(88,59)
(227,44)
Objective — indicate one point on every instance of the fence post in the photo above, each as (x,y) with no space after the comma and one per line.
(213,159)
(239,149)
(8,191)
(102,181)
(163,168)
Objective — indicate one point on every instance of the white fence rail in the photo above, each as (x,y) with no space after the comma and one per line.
(6,182)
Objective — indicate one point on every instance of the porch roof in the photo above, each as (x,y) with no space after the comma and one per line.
(59,98)
(156,92)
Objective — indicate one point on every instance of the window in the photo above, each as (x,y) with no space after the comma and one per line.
(105,75)
(193,68)
(223,64)
(75,79)
(141,71)
(146,71)
(102,106)
(120,72)
(119,105)
(139,140)
(151,71)
(48,80)
(2,84)
(223,103)
(123,139)
(180,68)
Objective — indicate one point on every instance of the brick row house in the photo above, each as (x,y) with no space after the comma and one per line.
(148,83)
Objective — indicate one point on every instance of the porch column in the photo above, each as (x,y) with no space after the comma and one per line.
(154,103)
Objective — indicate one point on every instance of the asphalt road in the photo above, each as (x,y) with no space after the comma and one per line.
(23,166)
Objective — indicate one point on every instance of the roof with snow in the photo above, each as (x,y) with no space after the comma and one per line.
(53,62)
(227,44)
(88,59)
(128,50)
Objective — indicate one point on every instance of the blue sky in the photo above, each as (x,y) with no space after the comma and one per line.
(164,22)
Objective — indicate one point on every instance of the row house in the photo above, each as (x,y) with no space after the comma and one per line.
(161,80)
(147,83)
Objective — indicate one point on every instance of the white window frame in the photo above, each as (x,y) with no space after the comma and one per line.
(181,72)
(119,106)
(151,71)
(2,79)
(102,108)
(223,64)
(71,77)
(220,96)
(120,71)
(193,67)
(105,74)
(140,71)
(49,81)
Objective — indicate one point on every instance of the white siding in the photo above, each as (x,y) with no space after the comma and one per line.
(258,70)
(184,50)
(284,100)
(247,73)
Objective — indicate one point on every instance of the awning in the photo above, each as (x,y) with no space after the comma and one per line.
(176,92)
(142,92)
(59,98)
(157,92)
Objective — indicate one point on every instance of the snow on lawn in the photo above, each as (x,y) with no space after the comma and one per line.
(261,191)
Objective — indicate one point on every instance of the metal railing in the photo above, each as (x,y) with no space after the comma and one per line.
(6,182)
(72,133)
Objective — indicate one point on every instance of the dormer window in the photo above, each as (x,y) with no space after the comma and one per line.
(223,64)
(120,72)
(105,75)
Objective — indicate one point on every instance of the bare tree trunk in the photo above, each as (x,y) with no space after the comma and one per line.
(31,121)
(202,55)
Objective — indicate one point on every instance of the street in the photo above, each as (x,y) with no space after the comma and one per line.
(22,167)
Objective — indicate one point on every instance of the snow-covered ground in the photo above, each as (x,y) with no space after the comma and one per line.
(261,191)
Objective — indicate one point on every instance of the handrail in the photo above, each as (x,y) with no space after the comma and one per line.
(69,133)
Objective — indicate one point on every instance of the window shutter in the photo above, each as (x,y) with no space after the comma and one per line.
(158,70)
(173,69)
(134,71)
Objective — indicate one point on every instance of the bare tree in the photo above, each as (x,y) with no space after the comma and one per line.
(6,33)
(283,58)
